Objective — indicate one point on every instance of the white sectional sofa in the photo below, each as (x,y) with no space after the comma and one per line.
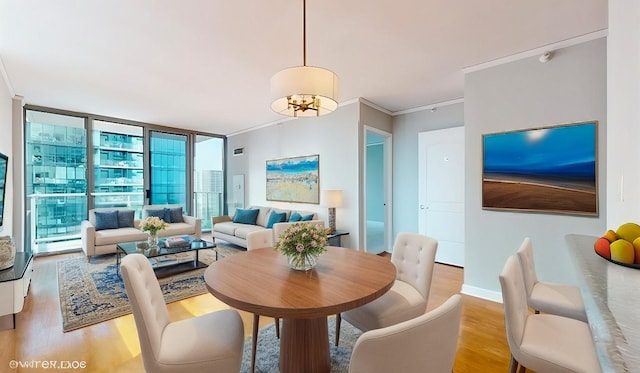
(101,235)
(235,232)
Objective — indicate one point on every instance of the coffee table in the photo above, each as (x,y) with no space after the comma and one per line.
(162,263)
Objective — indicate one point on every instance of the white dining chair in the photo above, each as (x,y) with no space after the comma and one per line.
(414,257)
(558,299)
(256,240)
(543,342)
(206,343)
(426,343)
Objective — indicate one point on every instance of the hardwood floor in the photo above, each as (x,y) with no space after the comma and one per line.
(112,346)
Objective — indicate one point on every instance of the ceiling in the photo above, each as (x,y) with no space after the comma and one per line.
(206,64)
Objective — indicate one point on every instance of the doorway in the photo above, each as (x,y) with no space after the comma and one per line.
(441,191)
(377,190)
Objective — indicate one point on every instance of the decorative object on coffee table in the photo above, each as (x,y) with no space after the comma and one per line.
(152,225)
(7,252)
(302,244)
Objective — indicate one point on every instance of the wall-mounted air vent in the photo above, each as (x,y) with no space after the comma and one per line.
(238,151)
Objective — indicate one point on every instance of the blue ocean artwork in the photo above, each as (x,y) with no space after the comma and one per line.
(293,179)
(294,165)
(566,152)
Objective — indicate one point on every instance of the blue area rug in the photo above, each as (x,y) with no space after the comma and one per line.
(91,293)
(268,352)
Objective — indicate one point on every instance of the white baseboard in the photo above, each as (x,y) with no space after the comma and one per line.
(491,295)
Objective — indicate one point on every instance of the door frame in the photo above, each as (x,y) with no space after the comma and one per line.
(388,184)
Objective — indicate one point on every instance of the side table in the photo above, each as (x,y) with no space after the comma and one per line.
(335,239)
(14,284)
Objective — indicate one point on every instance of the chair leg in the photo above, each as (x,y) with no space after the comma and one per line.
(338,321)
(256,319)
(278,328)
(513,366)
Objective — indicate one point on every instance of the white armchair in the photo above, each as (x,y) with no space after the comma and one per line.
(257,240)
(425,343)
(543,342)
(414,258)
(211,342)
(557,299)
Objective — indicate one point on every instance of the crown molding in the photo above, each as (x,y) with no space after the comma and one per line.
(372,105)
(538,51)
(429,107)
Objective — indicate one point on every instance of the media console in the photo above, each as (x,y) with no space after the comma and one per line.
(14,285)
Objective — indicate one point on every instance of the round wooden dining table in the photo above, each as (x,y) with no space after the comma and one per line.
(260,281)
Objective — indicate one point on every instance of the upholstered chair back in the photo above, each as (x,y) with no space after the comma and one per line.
(525,255)
(279,228)
(514,299)
(258,239)
(147,303)
(425,343)
(414,256)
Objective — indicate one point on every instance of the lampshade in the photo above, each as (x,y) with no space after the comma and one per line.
(304,91)
(332,198)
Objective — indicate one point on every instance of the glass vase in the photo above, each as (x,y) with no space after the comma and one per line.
(303,262)
(153,240)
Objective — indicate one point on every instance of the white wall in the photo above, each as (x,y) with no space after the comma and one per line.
(405,159)
(6,148)
(518,95)
(623,112)
(334,137)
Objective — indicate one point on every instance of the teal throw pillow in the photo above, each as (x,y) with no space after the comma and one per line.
(276,217)
(306,217)
(125,218)
(246,216)
(106,220)
(160,214)
(295,217)
(175,215)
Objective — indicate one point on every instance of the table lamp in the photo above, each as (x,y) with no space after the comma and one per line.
(332,199)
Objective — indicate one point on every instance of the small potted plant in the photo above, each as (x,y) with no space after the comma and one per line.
(152,225)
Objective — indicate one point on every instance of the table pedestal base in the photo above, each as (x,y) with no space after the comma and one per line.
(304,346)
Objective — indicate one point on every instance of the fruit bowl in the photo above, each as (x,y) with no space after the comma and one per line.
(630,265)
(621,246)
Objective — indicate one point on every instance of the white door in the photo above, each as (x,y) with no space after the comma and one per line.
(441,191)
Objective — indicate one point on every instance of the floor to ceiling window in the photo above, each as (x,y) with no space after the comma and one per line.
(208,178)
(168,159)
(75,162)
(118,166)
(56,178)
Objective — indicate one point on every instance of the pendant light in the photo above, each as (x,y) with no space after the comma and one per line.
(304,91)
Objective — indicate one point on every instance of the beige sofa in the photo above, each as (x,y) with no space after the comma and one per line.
(224,228)
(104,241)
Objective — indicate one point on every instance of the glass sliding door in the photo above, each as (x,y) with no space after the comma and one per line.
(118,166)
(208,178)
(168,171)
(56,180)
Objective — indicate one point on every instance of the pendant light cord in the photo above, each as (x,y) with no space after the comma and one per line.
(304,32)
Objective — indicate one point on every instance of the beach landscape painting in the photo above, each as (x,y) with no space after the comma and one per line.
(550,169)
(294,179)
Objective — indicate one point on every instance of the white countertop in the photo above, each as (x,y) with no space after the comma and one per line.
(612,300)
